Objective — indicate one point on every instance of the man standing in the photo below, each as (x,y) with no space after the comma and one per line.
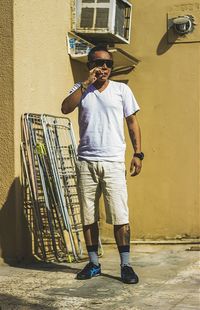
(103,104)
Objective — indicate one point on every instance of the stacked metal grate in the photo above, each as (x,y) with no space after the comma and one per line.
(50,187)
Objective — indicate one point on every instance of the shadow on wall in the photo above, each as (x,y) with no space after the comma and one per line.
(15,239)
(164,44)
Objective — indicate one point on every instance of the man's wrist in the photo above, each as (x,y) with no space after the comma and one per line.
(85,84)
(139,155)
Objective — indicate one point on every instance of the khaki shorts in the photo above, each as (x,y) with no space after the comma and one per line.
(95,178)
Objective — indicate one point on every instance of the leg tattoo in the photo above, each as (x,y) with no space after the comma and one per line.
(122,234)
(122,237)
(91,234)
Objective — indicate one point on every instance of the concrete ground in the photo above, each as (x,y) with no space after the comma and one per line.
(169,279)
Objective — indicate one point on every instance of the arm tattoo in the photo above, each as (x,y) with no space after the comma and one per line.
(133,139)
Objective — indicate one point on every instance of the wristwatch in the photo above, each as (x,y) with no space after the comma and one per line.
(139,155)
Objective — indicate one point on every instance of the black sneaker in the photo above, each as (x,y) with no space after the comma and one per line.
(128,275)
(89,271)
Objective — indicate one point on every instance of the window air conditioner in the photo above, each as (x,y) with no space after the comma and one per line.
(106,21)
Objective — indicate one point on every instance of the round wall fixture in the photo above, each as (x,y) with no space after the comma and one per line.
(183,24)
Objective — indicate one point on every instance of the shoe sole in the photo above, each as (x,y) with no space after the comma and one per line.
(96,275)
(126,282)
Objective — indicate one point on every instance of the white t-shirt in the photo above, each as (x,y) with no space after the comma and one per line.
(101,121)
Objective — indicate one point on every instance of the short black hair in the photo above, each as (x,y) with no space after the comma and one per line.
(97,48)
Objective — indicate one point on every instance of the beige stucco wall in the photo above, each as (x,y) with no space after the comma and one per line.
(7,184)
(36,75)
(164,199)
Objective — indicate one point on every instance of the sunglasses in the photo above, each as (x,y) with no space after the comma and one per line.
(100,62)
